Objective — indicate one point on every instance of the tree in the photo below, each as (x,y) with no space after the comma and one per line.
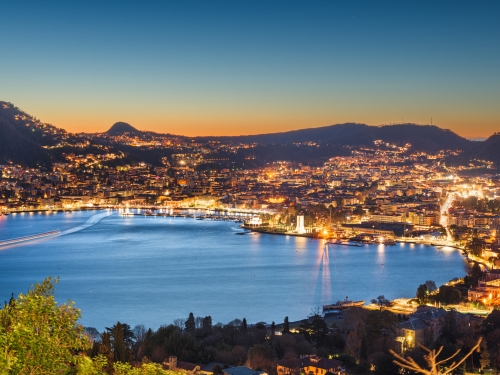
(492,321)
(180,324)
(244,325)
(190,323)
(384,365)
(431,286)
(122,339)
(286,325)
(316,330)
(139,332)
(147,344)
(434,365)
(476,273)
(379,324)
(207,323)
(448,295)
(381,302)
(273,328)
(485,356)
(97,366)
(52,350)
(106,352)
(92,334)
(199,322)
(449,328)
(216,370)
(363,350)
(261,356)
(358,211)
(421,293)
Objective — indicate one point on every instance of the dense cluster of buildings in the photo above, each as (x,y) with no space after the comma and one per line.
(384,190)
(372,185)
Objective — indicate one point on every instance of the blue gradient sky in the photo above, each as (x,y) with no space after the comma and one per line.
(241,67)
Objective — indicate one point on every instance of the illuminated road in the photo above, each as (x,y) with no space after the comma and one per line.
(444,215)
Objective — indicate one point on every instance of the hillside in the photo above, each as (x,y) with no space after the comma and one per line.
(120,128)
(421,137)
(21,137)
(487,150)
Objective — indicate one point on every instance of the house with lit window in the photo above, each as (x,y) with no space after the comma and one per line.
(487,290)
(422,327)
(310,365)
(173,364)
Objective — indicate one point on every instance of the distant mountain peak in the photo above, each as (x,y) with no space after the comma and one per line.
(120,128)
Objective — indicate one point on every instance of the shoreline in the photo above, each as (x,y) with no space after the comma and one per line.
(248,228)
(266,231)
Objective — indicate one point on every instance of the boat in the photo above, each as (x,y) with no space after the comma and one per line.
(343,305)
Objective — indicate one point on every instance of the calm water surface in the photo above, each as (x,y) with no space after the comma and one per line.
(152,270)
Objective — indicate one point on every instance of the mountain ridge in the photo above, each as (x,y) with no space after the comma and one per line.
(120,128)
(22,137)
(425,137)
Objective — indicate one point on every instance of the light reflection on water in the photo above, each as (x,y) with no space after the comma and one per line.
(153,270)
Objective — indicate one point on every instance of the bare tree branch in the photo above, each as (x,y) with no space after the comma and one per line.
(431,359)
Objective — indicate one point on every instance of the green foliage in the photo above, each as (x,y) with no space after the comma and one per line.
(421,293)
(358,211)
(190,323)
(474,275)
(261,356)
(98,366)
(39,336)
(379,324)
(431,286)
(286,325)
(207,323)
(476,246)
(147,345)
(216,370)
(492,321)
(381,302)
(384,365)
(363,350)
(449,328)
(316,330)
(122,339)
(470,203)
(448,295)
(485,356)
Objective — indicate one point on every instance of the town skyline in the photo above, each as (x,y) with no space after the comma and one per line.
(206,68)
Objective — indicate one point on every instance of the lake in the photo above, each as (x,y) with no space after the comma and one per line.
(153,270)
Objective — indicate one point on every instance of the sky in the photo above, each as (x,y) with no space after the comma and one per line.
(249,67)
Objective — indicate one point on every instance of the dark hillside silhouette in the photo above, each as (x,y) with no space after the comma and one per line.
(421,137)
(120,128)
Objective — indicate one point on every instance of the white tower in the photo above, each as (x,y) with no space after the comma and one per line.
(300,224)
